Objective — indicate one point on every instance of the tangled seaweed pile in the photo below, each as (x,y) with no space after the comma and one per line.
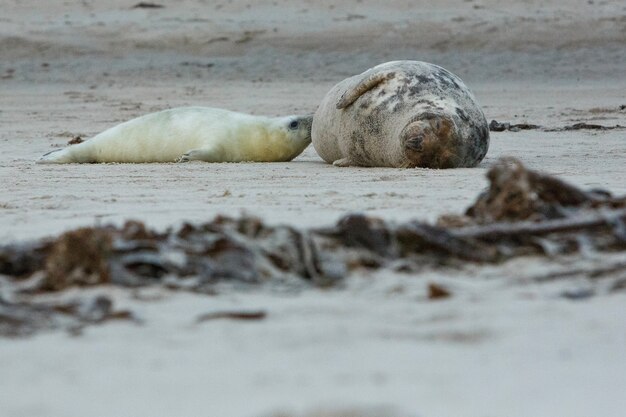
(522,212)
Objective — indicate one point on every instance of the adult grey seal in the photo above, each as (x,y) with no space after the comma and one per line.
(401,114)
(193,133)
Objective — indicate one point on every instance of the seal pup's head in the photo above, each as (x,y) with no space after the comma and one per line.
(297,131)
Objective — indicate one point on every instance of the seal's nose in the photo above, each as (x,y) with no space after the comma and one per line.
(308,120)
(306,123)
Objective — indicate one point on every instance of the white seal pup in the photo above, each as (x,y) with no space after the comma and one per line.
(193,133)
(401,114)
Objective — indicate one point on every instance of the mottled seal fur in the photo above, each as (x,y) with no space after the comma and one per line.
(401,114)
(193,133)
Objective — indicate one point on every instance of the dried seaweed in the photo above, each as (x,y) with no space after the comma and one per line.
(516,193)
(496,126)
(589,126)
(19,319)
(522,212)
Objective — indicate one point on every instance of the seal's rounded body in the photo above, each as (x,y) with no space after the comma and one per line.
(401,114)
(193,133)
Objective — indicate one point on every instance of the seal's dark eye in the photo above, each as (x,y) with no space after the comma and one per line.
(293,125)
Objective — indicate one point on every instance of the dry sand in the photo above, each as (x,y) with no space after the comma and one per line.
(503,345)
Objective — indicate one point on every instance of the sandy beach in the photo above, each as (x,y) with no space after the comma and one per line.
(505,344)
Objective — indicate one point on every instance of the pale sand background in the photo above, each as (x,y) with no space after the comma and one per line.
(502,346)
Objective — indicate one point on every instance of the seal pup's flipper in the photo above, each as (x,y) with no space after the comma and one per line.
(209,154)
(352,94)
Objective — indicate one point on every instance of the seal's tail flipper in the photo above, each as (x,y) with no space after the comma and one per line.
(363,86)
(57,156)
(74,154)
(62,156)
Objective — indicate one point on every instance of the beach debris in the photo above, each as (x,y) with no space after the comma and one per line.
(75,140)
(522,212)
(438,292)
(516,193)
(589,126)
(251,315)
(147,5)
(23,259)
(198,64)
(77,258)
(217,39)
(24,318)
(495,126)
